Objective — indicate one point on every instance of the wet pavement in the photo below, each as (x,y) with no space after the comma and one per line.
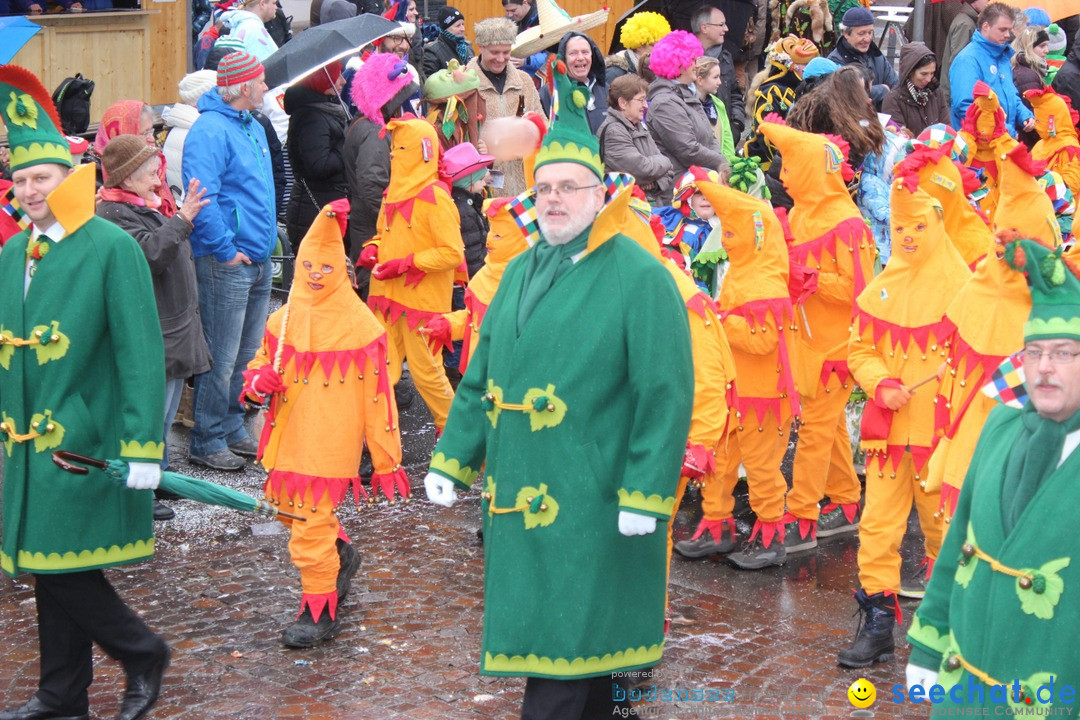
(221,587)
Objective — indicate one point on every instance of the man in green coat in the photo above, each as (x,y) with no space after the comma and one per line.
(997,628)
(577,406)
(81,369)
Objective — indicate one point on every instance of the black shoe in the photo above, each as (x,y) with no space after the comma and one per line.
(874,638)
(143,689)
(755,556)
(163,511)
(799,535)
(833,521)
(246,447)
(913,584)
(404,394)
(349,557)
(37,710)
(161,494)
(305,632)
(223,459)
(704,545)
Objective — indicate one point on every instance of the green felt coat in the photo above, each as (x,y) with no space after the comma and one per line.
(96,388)
(601,376)
(1004,631)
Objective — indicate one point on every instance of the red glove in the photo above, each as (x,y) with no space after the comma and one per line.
(369,257)
(393,268)
(267,381)
(697,461)
(437,330)
(802,282)
(340,208)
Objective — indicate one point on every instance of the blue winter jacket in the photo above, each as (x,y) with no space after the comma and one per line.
(991,63)
(226,151)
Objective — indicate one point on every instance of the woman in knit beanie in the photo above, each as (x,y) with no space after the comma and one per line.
(450,44)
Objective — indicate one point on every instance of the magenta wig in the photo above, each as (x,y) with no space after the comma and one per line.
(673,53)
(382,80)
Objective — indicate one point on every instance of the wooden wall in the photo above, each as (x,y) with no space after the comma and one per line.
(476,10)
(111,49)
(170,44)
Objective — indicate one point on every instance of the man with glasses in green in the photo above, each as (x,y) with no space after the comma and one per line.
(576,404)
(1000,608)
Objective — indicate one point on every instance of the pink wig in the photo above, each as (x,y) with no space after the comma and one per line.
(377,82)
(673,53)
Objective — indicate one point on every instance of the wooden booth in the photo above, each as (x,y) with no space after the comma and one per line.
(475,10)
(130,54)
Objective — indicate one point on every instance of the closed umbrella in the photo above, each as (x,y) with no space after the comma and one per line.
(323,44)
(183,485)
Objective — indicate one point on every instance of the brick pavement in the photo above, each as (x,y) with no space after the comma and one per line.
(410,639)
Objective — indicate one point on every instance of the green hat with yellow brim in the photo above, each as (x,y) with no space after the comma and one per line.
(569,138)
(33,127)
(1055,290)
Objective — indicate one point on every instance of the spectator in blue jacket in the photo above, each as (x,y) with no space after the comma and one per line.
(226,150)
(988,58)
(523,12)
(856,46)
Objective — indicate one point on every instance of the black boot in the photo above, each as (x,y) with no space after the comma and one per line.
(305,632)
(349,559)
(874,639)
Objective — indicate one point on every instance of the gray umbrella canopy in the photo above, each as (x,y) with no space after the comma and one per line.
(322,44)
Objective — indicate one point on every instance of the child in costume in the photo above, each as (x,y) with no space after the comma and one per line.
(984,132)
(505,241)
(901,319)
(413,259)
(1058,147)
(323,364)
(757,319)
(833,252)
(691,230)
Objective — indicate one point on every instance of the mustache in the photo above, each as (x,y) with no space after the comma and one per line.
(1046,380)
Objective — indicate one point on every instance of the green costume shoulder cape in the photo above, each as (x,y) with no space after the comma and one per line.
(81,368)
(583,413)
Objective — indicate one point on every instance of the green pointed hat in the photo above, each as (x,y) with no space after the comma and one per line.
(569,138)
(1055,290)
(33,126)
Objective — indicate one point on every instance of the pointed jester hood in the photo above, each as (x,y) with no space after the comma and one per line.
(414,164)
(1023,205)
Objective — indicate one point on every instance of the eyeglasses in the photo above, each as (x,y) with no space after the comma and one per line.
(563,189)
(1032,356)
(723,24)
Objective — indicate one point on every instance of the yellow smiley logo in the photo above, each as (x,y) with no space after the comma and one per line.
(862,694)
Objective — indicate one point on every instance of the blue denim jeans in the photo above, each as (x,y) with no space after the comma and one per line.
(174,389)
(234,301)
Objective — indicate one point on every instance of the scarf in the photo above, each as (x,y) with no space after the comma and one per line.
(122,117)
(1034,457)
(460,45)
(710,110)
(921,97)
(545,266)
(119,195)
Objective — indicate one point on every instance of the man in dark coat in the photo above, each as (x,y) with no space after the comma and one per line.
(856,45)
(450,44)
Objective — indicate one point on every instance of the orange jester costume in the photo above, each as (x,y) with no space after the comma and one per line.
(419,250)
(1058,146)
(323,364)
(757,320)
(896,342)
(832,248)
(988,315)
(988,139)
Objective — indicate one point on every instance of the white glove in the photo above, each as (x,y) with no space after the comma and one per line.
(143,475)
(631,523)
(440,490)
(918,675)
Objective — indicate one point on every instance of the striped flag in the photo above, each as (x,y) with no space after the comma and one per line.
(1007,383)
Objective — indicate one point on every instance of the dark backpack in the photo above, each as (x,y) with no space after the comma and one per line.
(72,100)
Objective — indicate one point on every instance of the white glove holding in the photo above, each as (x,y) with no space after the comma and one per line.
(143,475)
(631,523)
(440,490)
(918,675)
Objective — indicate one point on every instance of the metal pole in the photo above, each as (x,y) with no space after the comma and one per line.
(918,20)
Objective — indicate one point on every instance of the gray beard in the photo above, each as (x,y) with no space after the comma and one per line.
(562,236)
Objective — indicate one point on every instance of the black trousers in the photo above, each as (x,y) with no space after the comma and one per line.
(74,611)
(586,699)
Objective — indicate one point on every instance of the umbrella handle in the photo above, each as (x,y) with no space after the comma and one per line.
(66,461)
(293,516)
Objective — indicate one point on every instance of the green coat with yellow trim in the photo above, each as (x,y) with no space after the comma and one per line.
(1004,627)
(582,414)
(95,387)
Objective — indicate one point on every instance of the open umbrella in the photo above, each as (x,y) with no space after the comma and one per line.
(1056,9)
(322,44)
(14,33)
(183,485)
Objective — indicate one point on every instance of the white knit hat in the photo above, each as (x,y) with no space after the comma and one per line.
(193,85)
(1058,41)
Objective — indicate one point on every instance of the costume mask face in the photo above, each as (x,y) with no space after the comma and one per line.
(908,233)
(317,274)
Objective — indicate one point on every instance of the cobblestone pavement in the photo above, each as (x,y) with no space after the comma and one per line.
(221,587)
